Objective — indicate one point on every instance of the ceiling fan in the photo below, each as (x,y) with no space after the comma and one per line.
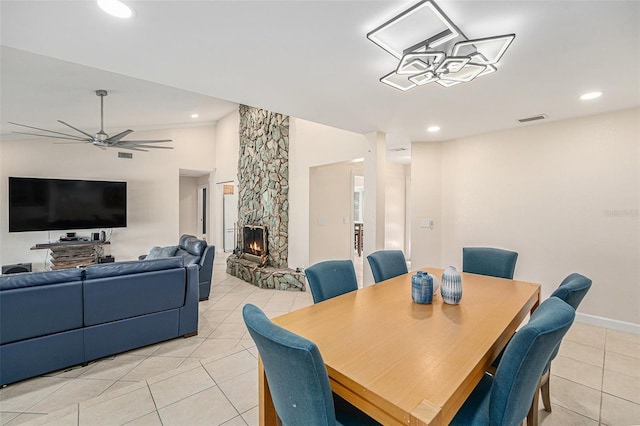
(100,139)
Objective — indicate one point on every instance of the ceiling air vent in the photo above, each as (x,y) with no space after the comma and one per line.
(125,155)
(533,118)
(397,149)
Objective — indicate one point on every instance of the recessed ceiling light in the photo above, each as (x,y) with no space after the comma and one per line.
(194,116)
(590,95)
(433,129)
(116,8)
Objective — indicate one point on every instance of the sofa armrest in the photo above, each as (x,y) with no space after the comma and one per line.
(206,271)
(189,312)
(206,263)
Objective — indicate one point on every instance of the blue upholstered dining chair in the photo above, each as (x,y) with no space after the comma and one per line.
(387,264)
(489,261)
(505,399)
(298,380)
(331,278)
(571,290)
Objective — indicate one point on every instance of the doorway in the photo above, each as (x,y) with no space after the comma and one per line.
(358,225)
(195,204)
(331,213)
(229,217)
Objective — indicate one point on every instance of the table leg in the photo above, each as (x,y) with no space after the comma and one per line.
(535,305)
(267,412)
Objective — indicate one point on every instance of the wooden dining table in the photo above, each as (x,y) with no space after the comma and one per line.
(405,363)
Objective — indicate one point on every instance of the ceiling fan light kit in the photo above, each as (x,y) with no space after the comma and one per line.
(101,139)
(116,8)
(419,38)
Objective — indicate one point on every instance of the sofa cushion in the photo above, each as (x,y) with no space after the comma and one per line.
(182,242)
(32,279)
(129,289)
(187,257)
(160,252)
(131,267)
(195,247)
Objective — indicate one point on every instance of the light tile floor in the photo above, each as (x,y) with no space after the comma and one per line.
(211,379)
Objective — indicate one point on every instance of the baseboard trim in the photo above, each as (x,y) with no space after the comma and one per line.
(626,327)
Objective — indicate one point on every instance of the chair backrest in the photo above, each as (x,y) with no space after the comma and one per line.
(295,371)
(525,358)
(489,261)
(387,264)
(573,289)
(331,278)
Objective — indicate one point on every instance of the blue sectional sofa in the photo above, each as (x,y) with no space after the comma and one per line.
(56,319)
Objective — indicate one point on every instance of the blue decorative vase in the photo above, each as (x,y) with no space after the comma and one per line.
(422,288)
(451,288)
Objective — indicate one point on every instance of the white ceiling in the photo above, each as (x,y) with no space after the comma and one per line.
(308,59)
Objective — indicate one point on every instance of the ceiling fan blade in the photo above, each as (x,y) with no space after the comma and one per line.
(132,148)
(116,138)
(42,130)
(67,143)
(73,138)
(143,146)
(77,130)
(148,141)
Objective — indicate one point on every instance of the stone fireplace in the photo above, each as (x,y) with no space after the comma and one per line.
(263,205)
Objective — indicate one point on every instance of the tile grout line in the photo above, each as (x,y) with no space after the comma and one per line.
(604,360)
(154,404)
(224,394)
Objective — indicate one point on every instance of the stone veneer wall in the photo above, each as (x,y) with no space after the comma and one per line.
(263,178)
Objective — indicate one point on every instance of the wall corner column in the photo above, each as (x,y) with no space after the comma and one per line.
(374,198)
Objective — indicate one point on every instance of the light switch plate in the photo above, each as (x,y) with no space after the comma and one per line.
(426,223)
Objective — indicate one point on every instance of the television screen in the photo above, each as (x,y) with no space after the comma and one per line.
(56,204)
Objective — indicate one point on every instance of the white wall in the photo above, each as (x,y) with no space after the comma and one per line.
(312,144)
(227,151)
(152,183)
(565,195)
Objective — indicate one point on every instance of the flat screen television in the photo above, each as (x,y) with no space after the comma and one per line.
(37,204)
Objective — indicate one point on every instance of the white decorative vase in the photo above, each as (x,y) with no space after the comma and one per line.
(436,284)
(451,288)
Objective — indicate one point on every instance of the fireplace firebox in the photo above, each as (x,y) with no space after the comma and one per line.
(254,238)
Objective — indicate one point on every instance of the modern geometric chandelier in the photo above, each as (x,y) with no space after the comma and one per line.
(432,49)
